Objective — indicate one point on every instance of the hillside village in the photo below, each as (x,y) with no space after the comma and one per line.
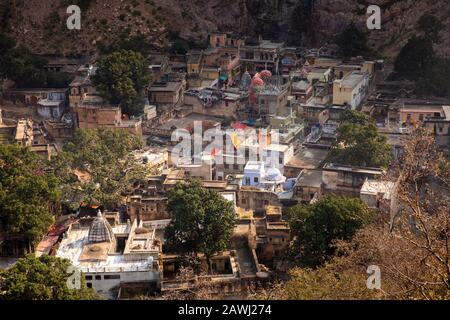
(277,110)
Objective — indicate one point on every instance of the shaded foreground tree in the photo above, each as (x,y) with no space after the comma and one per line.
(359,143)
(43,278)
(28,193)
(202,220)
(317,226)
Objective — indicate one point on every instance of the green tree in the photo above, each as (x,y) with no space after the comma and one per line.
(43,278)
(121,78)
(436,81)
(202,220)
(6,43)
(431,27)
(359,143)
(317,226)
(27,193)
(103,156)
(137,43)
(414,59)
(20,65)
(353,42)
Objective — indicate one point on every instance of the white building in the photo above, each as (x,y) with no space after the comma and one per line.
(253,173)
(256,175)
(277,155)
(53,106)
(110,254)
(377,194)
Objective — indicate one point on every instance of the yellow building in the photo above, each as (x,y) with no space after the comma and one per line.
(350,90)
(414,114)
(195,63)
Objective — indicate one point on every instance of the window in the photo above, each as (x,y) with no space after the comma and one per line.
(88,277)
(421,117)
(112,276)
(88,284)
(98,277)
(256,180)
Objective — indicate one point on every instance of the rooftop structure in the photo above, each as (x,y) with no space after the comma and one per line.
(373,192)
(110,256)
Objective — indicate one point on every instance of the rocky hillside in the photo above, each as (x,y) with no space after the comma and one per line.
(41,24)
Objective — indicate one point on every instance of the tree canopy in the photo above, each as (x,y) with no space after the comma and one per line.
(27,193)
(202,220)
(418,62)
(43,278)
(137,43)
(26,69)
(353,42)
(359,143)
(414,59)
(103,157)
(317,226)
(431,26)
(121,78)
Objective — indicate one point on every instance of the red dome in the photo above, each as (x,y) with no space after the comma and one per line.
(266,74)
(257,81)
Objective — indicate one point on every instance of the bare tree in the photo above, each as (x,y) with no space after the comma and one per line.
(410,243)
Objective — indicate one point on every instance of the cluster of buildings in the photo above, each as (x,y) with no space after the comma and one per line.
(276,110)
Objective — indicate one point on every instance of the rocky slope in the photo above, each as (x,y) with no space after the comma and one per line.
(40,24)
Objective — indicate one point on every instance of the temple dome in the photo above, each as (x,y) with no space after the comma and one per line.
(274,174)
(100,230)
(257,81)
(246,80)
(266,74)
